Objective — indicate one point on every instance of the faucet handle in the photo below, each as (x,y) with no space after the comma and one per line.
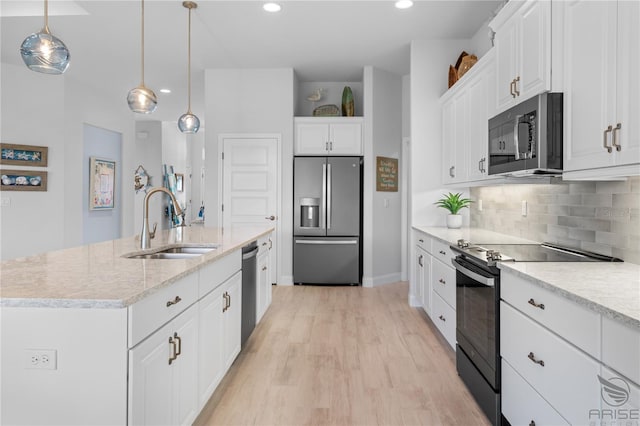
(152,234)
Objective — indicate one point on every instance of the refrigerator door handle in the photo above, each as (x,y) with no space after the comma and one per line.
(329,196)
(323,213)
(327,242)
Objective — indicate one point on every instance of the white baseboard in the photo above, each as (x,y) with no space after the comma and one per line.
(414,302)
(286,280)
(381,279)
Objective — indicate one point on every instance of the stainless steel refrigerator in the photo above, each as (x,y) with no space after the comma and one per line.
(327,214)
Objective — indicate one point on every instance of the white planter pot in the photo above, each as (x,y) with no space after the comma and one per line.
(454,221)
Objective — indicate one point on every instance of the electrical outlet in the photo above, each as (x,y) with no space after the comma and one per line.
(41,359)
(524,207)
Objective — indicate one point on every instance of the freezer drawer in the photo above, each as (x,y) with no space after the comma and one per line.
(326,260)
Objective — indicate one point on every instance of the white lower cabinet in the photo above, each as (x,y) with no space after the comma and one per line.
(232,320)
(264,281)
(444,317)
(560,372)
(522,405)
(163,374)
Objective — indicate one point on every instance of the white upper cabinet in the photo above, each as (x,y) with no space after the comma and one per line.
(454,138)
(602,89)
(328,136)
(523,51)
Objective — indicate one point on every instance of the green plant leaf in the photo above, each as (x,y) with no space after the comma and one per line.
(453,202)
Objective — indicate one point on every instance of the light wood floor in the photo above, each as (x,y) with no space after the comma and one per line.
(343,356)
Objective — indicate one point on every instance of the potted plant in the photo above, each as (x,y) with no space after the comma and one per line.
(454,203)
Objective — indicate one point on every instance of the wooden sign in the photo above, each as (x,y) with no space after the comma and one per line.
(386,174)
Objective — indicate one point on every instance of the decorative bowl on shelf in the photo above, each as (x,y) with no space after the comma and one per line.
(327,111)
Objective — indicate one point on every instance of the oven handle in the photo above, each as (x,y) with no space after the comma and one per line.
(489,282)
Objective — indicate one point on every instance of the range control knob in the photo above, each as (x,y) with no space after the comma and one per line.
(463,244)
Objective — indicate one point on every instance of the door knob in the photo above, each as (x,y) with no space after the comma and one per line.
(272,217)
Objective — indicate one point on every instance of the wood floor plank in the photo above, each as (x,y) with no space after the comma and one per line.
(327,355)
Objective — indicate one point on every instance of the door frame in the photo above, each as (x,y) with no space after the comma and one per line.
(275,258)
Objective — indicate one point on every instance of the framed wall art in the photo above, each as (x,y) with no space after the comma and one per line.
(23,155)
(386,174)
(23,180)
(102,182)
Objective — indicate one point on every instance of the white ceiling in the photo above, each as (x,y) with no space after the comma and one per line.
(327,40)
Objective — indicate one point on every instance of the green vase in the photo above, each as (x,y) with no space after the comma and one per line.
(348,109)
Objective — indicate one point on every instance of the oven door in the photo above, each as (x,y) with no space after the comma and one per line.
(477,294)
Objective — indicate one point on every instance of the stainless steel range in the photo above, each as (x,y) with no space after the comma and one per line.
(478,313)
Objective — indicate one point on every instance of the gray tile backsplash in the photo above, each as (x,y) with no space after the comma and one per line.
(603,217)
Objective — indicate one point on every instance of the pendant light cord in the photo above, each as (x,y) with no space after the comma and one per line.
(46,16)
(189,63)
(142,38)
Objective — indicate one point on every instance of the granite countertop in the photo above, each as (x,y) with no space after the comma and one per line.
(609,288)
(97,276)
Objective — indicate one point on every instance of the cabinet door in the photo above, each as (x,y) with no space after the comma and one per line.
(233,320)
(311,138)
(506,43)
(418,276)
(345,139)
(590,33)
(161,393)
(263,285)
(454,146)
(425,282)
(211,361)
(478,133)
(185,369)
(628,83)
(448,141)
(534,56)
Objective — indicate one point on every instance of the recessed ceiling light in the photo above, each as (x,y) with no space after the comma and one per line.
(165,90)
(272,7)
(404,4)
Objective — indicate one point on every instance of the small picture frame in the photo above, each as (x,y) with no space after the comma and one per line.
(102,182)
(23,155)
(179,182)
(23,180)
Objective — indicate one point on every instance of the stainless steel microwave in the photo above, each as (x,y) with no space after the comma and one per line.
(526,139)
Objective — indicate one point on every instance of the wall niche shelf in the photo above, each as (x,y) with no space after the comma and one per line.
(331,94)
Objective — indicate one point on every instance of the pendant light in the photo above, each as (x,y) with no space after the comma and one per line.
(141,99)
(188,122)
(43,52)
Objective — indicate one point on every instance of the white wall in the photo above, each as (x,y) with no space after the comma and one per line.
(148,154)
(382,210)
(52,112)
(252,101)
(430,62)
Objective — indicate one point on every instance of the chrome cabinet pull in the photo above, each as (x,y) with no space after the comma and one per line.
(264,244)
(326,146)
(179,340)
(174,301)
(442,252)
(537,305)
(515,86)
(442,318)
(421,240)
(452,171)
(441,281)
(532,357)
(173,355)
(615,136)
(270,243)
(607,130)
(511,86)
(226,306)
(420,260)
(264,268)
(229,299)
(330,145)
(480,165)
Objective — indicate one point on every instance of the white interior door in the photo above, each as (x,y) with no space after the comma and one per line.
(250,177)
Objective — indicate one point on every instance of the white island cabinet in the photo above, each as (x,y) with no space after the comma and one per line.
(92,337)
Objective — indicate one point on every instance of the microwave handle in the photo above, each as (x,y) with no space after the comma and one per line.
(515,137)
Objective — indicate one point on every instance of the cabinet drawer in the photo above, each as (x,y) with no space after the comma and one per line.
(621,348)
(563,375)
(443,281)
(442,251)
(444,317)
(522,405)
(571,321)
(214,274)
(423,241)
(152,312)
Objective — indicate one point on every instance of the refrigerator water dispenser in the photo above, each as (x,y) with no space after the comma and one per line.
(309,212)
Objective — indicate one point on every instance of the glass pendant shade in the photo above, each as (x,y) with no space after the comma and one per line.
(189,123)
(43,52)
(142,100)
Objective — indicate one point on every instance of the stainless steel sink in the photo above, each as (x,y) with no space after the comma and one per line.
(177,252)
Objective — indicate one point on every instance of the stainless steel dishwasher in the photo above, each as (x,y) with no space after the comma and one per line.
(249,276)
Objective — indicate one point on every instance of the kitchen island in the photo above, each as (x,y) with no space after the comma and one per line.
(90,336)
